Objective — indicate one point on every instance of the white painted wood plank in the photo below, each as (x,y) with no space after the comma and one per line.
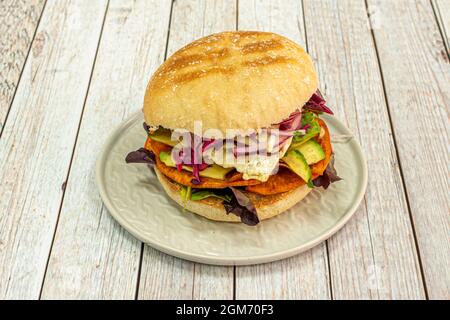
(193,19)
(18,22)
(279,16)
(163,276)
(38,138)
(92,256)
(442,10)
(416,74)
(304,276)
(374,256)
(212,282)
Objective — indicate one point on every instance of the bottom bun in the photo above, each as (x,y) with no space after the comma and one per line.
(212,208)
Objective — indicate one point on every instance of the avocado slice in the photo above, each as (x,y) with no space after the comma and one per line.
(312,131)
(203,194)
(297,163)
(312,151)
(166,158)
(213,171)
(185,193)
(164,136)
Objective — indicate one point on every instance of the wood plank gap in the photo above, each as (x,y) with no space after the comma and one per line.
(405,191)
(237,18)
(138,279)
(168,30)
(330,280)
(305,33)
(73,150)
(21,71)
(441,26)
(234,280)
(193,281)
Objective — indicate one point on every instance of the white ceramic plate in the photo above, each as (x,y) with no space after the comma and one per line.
(134,197)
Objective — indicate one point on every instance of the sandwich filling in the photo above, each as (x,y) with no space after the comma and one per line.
(287,155)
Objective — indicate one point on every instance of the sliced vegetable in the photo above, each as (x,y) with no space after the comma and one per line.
(166,158)
(216,172)
(312,151)
(213,171)
(292,123)
(164,136)
(313,130)
(241,206)
(310,125)
(329,176)
(141,155)
(317,103)
(297,163)
(203,194)
(188,193)
(185,193)
(234,201)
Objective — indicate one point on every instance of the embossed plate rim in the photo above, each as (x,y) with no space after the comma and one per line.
(218,260)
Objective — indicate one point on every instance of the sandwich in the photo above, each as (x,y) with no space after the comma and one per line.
(234,127)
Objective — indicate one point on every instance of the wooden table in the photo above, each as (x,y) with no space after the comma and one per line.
(71,71)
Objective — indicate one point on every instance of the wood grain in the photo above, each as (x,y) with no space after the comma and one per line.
(92,256)
(416,72)
(304,276)
(442,12)
(38,139)
(374,256)
(166,277)
(19,20)
(163,276)
(212,282)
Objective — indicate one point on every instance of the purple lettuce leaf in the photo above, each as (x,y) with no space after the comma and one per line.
(317,103)
(294,122)
(141,155)
(329,176)
(241,206)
